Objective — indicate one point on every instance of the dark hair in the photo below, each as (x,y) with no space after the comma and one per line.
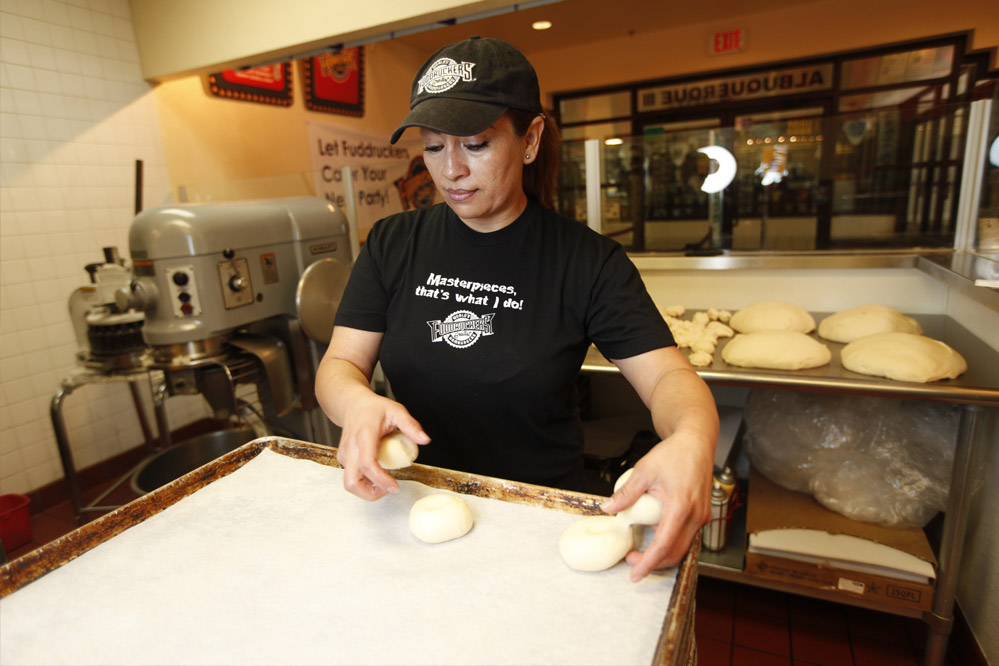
(541,175)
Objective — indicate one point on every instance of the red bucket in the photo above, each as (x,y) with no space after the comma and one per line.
(15,521)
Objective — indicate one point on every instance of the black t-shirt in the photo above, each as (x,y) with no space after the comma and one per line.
(485,333)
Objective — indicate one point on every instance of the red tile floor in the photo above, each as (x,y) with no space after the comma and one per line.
(741,625)
(735,625)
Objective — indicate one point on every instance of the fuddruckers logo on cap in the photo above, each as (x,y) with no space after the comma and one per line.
(443,75)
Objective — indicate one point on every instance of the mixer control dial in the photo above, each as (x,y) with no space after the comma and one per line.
(237,289)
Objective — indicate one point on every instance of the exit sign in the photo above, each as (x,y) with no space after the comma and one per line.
(728,41)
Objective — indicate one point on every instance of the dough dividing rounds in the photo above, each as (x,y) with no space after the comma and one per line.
(904,357)
(776,350)
(772,316)
(647,510)
(396,451)
(440,517)
(864,320)
(595,543)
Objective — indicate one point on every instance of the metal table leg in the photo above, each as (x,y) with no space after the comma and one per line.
(941,619)
(62,434)
(65,454)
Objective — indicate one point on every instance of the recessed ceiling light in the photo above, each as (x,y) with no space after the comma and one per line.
(613,142)
(541,25)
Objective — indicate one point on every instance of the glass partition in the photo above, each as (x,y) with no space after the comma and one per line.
(793,180)
(987,233)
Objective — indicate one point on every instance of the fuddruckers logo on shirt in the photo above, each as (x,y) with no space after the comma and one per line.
(443,75)
(461,328)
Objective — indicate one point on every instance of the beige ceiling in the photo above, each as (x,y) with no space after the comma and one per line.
(582,21)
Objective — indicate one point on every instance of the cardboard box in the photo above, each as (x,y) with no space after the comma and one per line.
(772,507)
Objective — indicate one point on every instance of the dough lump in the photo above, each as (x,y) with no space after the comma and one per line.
(701,359)
(904,357)
(776,350)
(772,316)
(595,543)
(863,320)
(396,451)
(440,517)
(647,510)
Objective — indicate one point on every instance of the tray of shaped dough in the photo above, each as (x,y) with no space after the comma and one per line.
(262,557)
(937,358)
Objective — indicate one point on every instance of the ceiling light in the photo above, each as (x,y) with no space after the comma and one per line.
(541,25)
(613,142)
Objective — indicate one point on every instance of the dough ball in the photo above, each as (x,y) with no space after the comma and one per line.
(595,543)
(703,344)
(675,310)
(440,517)
(719,330)
(700,319)
(776,350)
(904,357)
(701,359)
(855,323)
(647,510)
(772,316)
(396,451)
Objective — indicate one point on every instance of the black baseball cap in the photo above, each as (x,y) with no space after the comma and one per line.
(465,87)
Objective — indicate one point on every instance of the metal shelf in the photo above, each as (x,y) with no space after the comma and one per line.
(976,391)
(729,565)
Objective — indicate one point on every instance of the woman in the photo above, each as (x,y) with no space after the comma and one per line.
(481,310)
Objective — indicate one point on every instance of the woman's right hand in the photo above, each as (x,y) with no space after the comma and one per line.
(370,418)
(343,388)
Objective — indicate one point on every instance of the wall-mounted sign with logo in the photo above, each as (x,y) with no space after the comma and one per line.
(334,81)
(791,81)
(270,84)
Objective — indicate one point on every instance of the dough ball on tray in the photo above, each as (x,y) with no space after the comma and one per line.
(855,323)
(701,359)
(904,357)
(776,350)
(772,316)
(595,543)
(440,517)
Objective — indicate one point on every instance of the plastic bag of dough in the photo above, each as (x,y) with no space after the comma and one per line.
(878,460)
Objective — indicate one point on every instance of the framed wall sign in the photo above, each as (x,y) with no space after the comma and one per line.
(333,82)
(270,84)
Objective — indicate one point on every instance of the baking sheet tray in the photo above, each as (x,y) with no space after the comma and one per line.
(278,564)
(979,385)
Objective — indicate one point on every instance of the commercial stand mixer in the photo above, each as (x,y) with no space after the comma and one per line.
(226,295)
(222,289)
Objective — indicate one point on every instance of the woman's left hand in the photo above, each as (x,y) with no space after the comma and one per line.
(679,469)
(678,472)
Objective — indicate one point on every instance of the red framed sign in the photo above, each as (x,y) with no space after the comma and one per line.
(270,84)
(333,82)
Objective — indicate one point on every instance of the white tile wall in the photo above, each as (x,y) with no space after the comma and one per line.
(75,114)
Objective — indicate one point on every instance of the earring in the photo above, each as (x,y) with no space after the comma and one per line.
(527,157)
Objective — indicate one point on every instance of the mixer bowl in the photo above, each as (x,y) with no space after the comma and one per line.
(187,456)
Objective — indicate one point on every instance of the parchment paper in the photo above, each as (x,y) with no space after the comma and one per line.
(277,564)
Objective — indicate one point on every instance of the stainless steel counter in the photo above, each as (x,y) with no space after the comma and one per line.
(975,275)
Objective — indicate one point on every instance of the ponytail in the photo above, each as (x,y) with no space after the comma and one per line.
(541,175)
